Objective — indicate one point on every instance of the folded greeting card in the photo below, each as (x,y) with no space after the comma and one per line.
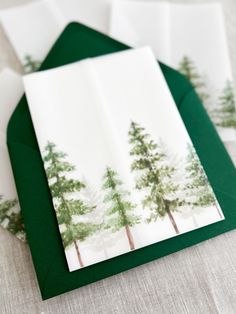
(198,50)
(10,218)
(46,232)
(121,168)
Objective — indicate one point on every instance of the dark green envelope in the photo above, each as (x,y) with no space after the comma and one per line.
(78,42)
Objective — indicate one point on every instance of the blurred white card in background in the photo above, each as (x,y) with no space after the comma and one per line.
(93,13)
(11,90)
(192,39)
(33,27)
(139,23)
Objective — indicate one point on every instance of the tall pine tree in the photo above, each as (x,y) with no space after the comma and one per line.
(197,187)
(187,68)
(225,115)
(155,175)
(119,210)
(66,194)
(31,65)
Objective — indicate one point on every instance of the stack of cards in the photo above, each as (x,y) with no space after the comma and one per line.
(116,180)
(115,160)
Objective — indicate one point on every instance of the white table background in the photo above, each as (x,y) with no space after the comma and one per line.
(201,279)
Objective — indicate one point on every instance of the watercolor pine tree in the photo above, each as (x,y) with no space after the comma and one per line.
(13,219)
(16,225)
(225,115)
(155,176)
(31,65)
(187,68)
(197,186)
(62,186)
(5,207)
(119,212)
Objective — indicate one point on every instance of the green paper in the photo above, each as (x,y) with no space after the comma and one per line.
(78,42)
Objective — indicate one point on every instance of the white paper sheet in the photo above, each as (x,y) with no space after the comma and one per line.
(33,28)
(195,31)
(94,13)
(88,127)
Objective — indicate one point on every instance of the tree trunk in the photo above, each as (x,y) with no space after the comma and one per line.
(78,254)
(218,210)
(130,237)
(172,220)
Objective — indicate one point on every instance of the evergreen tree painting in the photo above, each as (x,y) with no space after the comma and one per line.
(197,186)
(12,219)
(119,213)
(225,115)
(155,176)
(187,68)
(67,199)
(5,207)
(31,65)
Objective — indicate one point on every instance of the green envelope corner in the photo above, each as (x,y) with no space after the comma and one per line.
(75,43)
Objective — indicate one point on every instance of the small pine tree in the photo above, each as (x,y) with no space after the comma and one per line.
(187,68)
(119,209)
(31,65)
(155,175)
(16,225)
(197,186)
(14,220)
(225,115)
(67,206)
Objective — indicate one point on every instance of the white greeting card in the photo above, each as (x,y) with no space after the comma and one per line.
(94,13)
(192,39)
(33,27)
(139,23)
(10,218)
(117,156)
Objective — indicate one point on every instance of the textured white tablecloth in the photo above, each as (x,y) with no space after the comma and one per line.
(201,279)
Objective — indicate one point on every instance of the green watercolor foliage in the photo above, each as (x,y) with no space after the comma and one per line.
(119,208)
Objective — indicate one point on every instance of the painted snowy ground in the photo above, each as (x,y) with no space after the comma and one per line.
(96,249)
